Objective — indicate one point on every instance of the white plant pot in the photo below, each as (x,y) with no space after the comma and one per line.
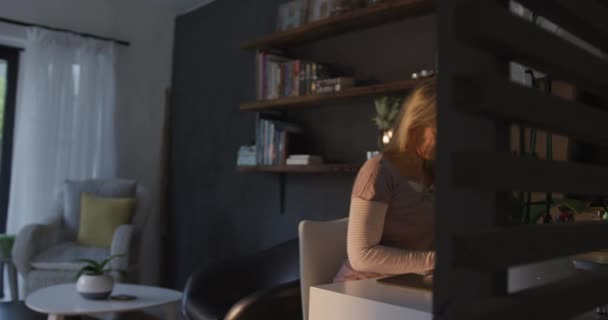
(95,287)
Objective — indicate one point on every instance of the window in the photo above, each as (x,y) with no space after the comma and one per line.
(9,66)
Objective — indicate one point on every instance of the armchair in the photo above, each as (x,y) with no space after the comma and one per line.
(44,254)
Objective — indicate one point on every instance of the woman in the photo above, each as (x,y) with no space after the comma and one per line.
(390,228)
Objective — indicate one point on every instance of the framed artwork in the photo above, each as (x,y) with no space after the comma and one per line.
(320,9)
(292,14)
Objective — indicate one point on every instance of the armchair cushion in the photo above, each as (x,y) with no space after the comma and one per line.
(73,190)
(100,217)
(62,256)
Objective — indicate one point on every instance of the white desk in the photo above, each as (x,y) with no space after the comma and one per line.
(367,299)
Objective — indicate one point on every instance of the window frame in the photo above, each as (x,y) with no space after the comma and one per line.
(11,55)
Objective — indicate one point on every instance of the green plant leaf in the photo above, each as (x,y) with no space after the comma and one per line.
(381,110)
(537,210)
(387,111)
(105,262)
(94,267)
(89,270)
(576,206)
(393,115)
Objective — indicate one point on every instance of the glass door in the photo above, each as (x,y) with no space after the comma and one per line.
(9,69)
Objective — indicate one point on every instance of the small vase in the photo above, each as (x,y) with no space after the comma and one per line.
(95,287)
(371,154)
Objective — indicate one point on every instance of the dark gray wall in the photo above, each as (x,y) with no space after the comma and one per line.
(215,212)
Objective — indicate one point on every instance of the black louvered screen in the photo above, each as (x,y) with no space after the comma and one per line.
(476,173)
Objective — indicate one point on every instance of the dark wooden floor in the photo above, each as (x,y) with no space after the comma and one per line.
(18,310)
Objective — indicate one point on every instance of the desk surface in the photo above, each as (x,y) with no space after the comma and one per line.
(599,257)
(366,299)
(370,289)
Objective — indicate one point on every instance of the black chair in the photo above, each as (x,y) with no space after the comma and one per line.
(262,286)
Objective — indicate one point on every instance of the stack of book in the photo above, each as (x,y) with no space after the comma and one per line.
(332,85)
(279,76)
(247,156)
(303,159)
(272,141)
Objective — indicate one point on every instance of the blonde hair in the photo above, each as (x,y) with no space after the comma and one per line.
(419,110)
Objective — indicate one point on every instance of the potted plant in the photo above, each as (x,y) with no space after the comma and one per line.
(524,213)
(94,281)
(387,110)
(6,245)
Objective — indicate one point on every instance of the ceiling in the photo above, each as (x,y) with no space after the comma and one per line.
(184,6)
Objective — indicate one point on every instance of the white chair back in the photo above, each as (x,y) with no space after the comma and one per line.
(322,252)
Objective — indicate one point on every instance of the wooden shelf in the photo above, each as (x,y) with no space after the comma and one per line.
(316,99)
(383,13)
(317,168)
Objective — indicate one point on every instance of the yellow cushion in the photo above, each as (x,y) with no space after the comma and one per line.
(100,217)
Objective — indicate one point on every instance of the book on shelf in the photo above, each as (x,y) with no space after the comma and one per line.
(278,76)
(303,159)
(247,156)
(304,156)
(272,141)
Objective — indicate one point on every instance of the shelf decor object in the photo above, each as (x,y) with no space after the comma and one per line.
(387,111)
(379,14)
(94,281)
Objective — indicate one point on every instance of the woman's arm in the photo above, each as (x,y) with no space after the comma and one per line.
(365,227)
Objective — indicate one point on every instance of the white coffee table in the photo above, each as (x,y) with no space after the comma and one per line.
(63,300)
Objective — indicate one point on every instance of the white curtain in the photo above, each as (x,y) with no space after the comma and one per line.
(64,121)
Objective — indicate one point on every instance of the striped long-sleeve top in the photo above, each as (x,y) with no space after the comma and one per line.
(390,228)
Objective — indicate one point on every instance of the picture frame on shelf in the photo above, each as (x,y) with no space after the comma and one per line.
(292,14)
(320,9)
